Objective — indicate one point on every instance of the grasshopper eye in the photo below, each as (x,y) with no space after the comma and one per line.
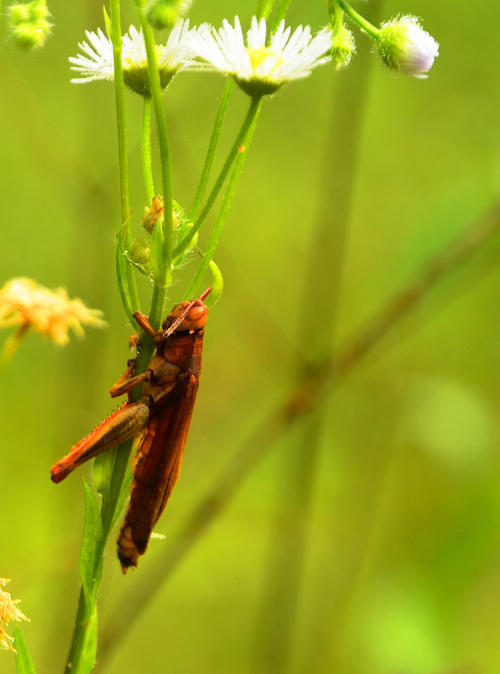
(197,312)
(196,317)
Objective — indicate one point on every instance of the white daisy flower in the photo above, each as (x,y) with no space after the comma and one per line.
(96,61)
(260,68)
(405,46)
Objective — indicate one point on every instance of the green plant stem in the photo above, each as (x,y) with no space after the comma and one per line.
(280,14)
(86,619)
(157,304)
(84,633)
(264,8)
(72,664)
(156,92)
(147,167)
(234,153)
(363,23)
(243,147)
(214,139)
(116,37)
(336,15)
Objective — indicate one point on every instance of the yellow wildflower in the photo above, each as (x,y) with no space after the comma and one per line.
(8,613)
(25,303)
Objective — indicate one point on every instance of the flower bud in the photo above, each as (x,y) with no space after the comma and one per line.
(29,24)
(166,13)
(140,252)
(405,46)
(343,47)
(152,214)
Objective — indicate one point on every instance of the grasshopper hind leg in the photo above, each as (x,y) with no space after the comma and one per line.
(123,424)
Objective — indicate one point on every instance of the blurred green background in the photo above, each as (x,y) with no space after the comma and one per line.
(395,568)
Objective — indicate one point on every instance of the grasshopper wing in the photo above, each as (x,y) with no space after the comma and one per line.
(156,470)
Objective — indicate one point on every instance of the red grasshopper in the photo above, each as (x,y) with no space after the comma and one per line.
(161,418)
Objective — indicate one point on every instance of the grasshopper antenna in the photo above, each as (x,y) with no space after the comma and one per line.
(205,294)
(179,320)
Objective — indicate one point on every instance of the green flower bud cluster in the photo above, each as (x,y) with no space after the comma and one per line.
(166,13)
(29,23)
(343,47)
(144,252)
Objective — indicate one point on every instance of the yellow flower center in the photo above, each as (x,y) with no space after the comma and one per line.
(264,60)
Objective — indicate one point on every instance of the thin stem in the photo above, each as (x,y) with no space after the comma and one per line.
(116,37)
(86,617)
(214,139)
(157,302)
(264,8)
(280,14)
(363,23)
(156,92)
(249,125)
(83,640)
(147,167)
(234,152)
(336,14)
(78,635)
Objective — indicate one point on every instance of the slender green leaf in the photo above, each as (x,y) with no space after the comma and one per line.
(264,8)
(280,14)
(104,466)
(112,492)
(217,285)
(102,470)
(107,21)
(24,662)
(91,541)
(123,496)
(122,278)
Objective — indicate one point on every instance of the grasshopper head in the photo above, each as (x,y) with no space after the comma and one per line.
(186,316)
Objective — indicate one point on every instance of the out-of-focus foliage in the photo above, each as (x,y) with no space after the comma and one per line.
(402,571)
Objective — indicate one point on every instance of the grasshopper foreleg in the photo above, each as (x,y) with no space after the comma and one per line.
(143,321)
(126,383)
